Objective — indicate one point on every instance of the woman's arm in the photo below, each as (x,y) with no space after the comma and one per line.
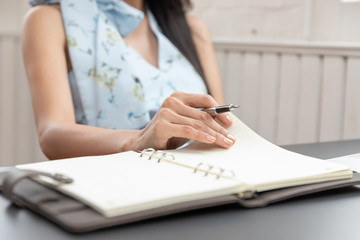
(44,53)
(206,53)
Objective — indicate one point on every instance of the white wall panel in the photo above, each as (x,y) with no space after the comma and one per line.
(7,99)
(304,92)
(249,92)
(268,96)
(233,84)
(332,100)
(221,61)
(352,100)
(309,101)
(288,99)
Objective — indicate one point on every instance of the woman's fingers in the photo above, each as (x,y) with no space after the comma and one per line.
(195,100)
(187,131)
(198,101)
(224,118)
(199,117)
(198,130)
(179,117)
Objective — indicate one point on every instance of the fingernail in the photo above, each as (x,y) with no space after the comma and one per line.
(231,137)
(228,119)
(228,141)
(210,138)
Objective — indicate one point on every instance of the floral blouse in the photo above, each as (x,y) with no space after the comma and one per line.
(112,85)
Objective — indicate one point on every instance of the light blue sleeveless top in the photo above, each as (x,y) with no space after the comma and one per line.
(112,85)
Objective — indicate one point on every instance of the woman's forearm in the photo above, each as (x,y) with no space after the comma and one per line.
(178,117)
(64,140)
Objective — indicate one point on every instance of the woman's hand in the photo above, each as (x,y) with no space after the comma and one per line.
(179,118)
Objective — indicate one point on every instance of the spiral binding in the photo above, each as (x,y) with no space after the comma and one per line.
(201,167)
(159,155)
(221,172)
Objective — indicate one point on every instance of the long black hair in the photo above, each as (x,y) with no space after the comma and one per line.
(170,15)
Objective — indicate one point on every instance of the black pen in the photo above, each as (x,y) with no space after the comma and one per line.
(219,109)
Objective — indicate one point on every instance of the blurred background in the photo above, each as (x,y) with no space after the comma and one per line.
(292,65)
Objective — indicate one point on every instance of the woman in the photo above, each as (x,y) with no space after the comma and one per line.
(108,76)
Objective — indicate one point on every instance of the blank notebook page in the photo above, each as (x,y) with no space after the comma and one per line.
(259,163)
(125,183)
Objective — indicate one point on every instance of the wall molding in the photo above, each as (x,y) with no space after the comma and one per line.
(291,47)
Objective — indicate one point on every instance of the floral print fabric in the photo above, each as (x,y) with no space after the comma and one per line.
(112,85)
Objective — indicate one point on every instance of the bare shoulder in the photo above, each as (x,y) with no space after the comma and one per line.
(44,21)
(43,13)
(198,28)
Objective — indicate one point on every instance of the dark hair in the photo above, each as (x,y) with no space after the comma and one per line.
(170,15)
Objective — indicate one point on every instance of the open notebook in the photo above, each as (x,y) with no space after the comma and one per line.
(131,182)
